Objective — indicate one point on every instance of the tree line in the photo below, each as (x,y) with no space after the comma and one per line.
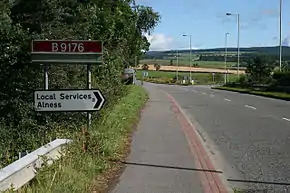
(120,24)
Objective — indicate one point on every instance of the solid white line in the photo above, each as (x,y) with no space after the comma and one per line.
(251,107)
(286,119)
(228,100)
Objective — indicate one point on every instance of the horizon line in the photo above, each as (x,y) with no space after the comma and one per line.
(184,49)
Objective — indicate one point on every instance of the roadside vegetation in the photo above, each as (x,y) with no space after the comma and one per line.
(108,143)
(121,26)
(263,78)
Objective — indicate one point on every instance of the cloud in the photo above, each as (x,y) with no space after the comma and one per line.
(286,41)
(160,42)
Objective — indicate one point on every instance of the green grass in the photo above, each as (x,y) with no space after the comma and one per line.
(108,140)
(200,78)
(277,95)
(185,62)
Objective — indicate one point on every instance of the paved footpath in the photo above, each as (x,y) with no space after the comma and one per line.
(164,153)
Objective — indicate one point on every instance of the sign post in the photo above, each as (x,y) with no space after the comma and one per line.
(68,52)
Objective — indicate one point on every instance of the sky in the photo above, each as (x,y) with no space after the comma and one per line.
(207,22)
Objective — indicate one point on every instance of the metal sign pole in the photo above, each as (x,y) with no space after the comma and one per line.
(89,86)
(45,76)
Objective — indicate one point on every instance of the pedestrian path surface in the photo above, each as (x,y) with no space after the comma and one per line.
(159,141)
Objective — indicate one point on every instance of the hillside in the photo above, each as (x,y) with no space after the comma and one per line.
(274,51)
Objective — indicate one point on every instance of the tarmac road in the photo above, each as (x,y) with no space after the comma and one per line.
(248,136)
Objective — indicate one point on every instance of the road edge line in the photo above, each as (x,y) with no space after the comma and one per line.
(213,180)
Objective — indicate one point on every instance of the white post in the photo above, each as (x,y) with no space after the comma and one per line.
(177,63)
(190,58)
(238,17)
(226,53)
(280,40)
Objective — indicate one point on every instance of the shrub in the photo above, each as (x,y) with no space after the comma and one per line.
(145,67)
(282,78)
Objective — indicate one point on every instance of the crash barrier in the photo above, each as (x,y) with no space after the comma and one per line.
(20,172)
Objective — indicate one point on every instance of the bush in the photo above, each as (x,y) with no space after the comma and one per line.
(282,78)
(113,22)
(157,67)
(145,67)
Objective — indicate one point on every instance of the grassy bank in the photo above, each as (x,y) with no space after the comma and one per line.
(276,95)
(108,139)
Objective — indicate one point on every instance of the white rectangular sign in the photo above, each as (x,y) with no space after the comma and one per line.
(68,100)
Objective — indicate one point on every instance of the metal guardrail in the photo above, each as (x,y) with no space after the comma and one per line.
(23,170)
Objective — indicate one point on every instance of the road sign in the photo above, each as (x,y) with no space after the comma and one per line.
(67,51)
(68,100)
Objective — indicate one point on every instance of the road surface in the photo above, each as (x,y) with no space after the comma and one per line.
(247,136)
(166,152)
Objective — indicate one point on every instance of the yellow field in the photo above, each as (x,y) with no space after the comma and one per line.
(193,69)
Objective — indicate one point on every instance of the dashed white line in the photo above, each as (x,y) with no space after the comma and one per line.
(251,107)
(204,93)
(286,119)
(211,95)
(227,100)
(194,91)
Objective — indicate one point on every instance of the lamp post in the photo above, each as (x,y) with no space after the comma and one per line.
(280,39)
(177,63)
(226,53)
(189,55)
(238,42)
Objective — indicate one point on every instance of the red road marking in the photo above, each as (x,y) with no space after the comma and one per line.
(210,181)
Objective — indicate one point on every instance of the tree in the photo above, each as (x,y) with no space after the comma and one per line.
(157,66)
(259,69)
(145,66)
(114,22)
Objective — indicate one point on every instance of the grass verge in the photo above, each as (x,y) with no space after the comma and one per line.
(108,139)
(276,95)
(165,81)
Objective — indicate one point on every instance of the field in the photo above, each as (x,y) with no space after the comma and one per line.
(193,69)
(183,62)
(200,78)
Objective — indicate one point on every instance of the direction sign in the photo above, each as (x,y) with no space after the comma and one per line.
(68,100)
(67,51)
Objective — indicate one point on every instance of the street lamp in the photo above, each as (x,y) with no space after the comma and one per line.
(226,53)
(238,43)
(280,40)
(177,63)
(189,55)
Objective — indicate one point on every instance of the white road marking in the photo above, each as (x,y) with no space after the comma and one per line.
(286,119)
(204,93)
(228,100)
(251,107)
(194,91)
(211,95)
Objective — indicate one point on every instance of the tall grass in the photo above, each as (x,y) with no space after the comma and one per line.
(107,140)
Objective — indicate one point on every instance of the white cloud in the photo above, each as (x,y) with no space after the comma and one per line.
(159,42)
(286,41)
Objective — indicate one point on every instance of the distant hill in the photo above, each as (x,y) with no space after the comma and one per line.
(274,51)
